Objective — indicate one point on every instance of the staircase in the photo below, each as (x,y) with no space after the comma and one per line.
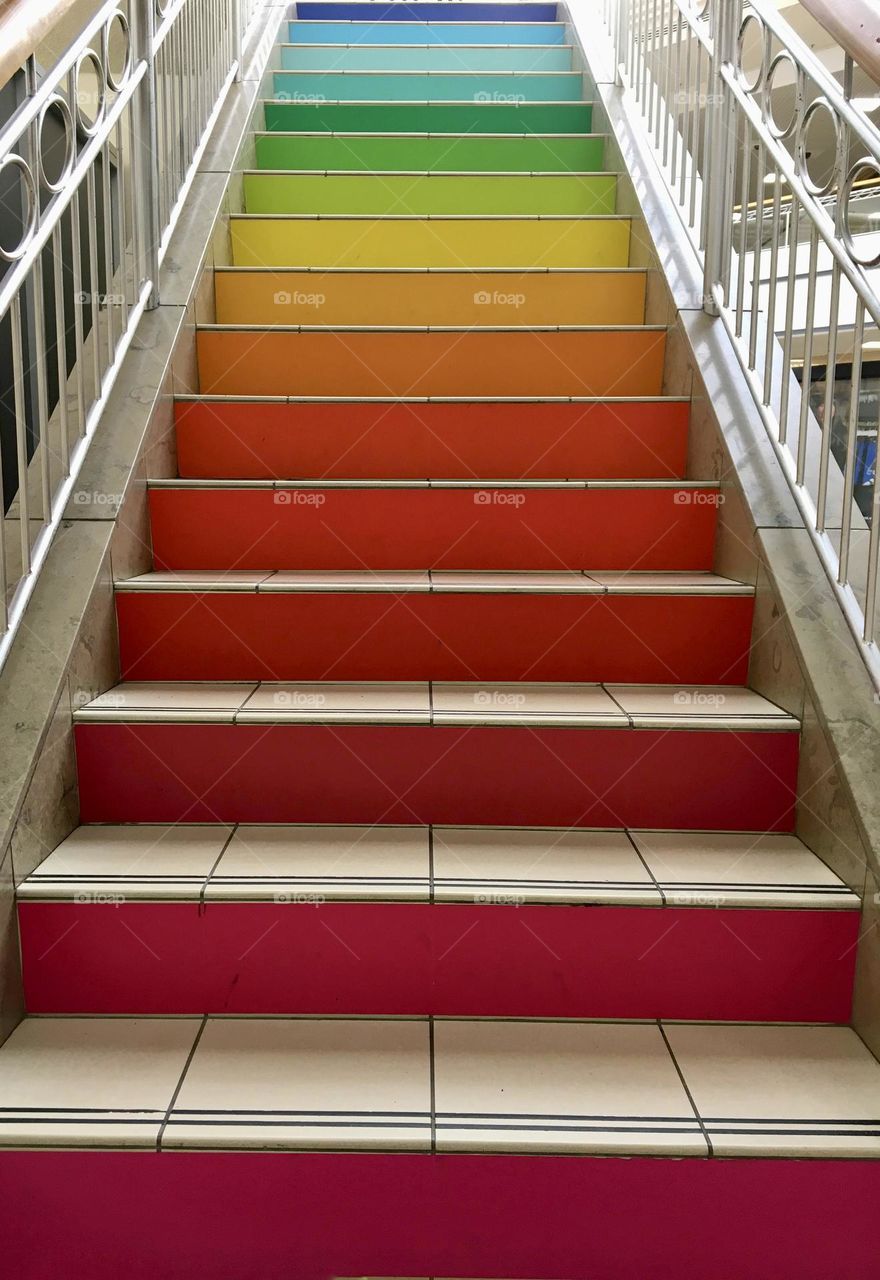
(433,836)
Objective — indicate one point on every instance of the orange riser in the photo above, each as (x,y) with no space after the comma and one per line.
(463,363)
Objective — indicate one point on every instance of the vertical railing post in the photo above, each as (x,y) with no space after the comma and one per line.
(620,37)
(237,34)
(147,162)
(717,187)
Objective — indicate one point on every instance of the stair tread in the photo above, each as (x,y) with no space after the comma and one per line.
(493,865)
(178,482)
(438,703)
(419,1084)
(532,581)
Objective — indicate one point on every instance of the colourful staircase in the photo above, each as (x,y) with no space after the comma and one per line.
(433,836)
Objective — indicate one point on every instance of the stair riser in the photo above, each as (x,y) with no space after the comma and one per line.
(363,441)
(238,636)
(590,363)
(460,960)
(412,1215)
(432,58)
(437,528)
(421,298)
(426,11)
(378,86)
(515,154)
(362,193)
(479,243)
(453,118)
(434,31)
(448,774)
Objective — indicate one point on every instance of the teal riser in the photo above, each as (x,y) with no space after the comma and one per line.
(343,86)
(426,33)
(424,58)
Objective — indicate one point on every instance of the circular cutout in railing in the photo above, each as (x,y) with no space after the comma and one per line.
(116,49)
(28,189)
(783,90)
(56,151)
(818,136)
(751,53)
(90,87)
(867,168)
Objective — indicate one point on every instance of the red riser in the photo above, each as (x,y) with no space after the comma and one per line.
(312,1216)
(460,960)
(243,636)
(364,441)
(432,528)
(421,774)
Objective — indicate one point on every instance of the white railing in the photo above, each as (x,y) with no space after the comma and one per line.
(766,156)
(96,157)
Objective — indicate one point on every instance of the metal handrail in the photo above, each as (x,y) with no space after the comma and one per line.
(96,161)
(703,79)
(23,25)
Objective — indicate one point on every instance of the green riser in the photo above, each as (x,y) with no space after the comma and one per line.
(403,193)
(441,117)
(485,155)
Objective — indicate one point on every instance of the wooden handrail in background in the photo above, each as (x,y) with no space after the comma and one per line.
(855,25)
(24,24)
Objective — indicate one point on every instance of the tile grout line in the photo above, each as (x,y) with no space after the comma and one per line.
(179,1086)
(638,853)
(213,868)
(431,883)
(684,1085)
(433,1084)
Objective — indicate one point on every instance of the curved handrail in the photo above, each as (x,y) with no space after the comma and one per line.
(855,25)
(23,25)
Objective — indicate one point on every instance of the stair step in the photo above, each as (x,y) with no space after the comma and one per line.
(380,193)
(484,243)
(440,1085)
(335,56)
(453,119)
(429,86)
(515,153)
(457,754)
(653,525)
(424,12)
(464,922)
(358,625)
(411,439)
(443,30)
(501,866)
(239,360)
(246,296)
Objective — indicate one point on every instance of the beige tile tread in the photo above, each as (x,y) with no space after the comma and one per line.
(490,482)
(441,703)
(507,1086)
(552,582)
(478,865)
